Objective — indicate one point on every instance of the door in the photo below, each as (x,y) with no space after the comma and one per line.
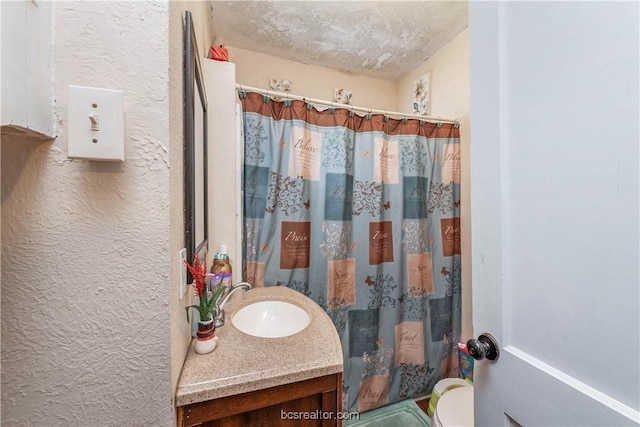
(555,211)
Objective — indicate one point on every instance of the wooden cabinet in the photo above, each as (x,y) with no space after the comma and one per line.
(285,405)
(253,381)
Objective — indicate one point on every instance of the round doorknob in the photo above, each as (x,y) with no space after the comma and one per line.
(485,346)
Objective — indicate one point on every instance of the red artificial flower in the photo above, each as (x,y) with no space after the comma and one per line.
(199,273)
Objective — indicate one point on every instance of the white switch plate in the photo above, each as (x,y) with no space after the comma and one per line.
(94,107)
(182,272)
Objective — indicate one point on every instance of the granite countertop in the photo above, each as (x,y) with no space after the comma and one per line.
(243,363)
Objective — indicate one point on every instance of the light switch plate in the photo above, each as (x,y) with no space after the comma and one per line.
(182,271)
(95,124)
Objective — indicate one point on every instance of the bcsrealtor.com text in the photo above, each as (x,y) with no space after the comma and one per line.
(318,415)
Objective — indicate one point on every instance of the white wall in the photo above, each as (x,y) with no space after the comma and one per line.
(257,69)
(449,68)
(92,330)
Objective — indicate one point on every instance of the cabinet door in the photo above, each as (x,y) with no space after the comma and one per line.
(290,413)
(313,402)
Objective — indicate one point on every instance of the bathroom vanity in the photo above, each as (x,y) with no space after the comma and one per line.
(250,380)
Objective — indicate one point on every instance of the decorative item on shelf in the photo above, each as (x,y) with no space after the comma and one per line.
(217,51)
(206,338)
(342,96)
(421,92)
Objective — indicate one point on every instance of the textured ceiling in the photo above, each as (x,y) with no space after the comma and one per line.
(382,39)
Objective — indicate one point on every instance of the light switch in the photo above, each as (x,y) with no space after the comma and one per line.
(95,121)
(95,124)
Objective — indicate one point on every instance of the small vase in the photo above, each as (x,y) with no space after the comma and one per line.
(206,339)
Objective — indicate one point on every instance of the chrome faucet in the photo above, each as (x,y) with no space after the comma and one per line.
(218,314)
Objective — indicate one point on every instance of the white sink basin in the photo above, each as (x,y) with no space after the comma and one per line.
(271,319)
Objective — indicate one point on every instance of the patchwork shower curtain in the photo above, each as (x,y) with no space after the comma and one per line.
(361,214)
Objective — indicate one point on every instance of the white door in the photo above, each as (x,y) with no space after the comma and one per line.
(555,211)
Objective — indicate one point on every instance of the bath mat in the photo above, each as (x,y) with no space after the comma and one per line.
(405,413)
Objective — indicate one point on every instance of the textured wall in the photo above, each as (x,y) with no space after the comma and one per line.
(85,245)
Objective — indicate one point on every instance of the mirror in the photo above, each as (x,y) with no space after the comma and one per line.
(195,148)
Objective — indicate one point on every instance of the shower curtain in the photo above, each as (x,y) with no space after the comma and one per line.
(361,214)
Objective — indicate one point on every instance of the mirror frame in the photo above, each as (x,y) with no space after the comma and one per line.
(194,167)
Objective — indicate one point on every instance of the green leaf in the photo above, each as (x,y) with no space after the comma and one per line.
(217,294)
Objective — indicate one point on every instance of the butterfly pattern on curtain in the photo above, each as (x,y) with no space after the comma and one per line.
(360,214)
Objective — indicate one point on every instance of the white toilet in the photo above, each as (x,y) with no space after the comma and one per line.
(455,407)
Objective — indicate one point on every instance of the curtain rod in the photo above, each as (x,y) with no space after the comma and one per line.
(285,95)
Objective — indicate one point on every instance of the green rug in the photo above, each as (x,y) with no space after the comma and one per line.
(405,413)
